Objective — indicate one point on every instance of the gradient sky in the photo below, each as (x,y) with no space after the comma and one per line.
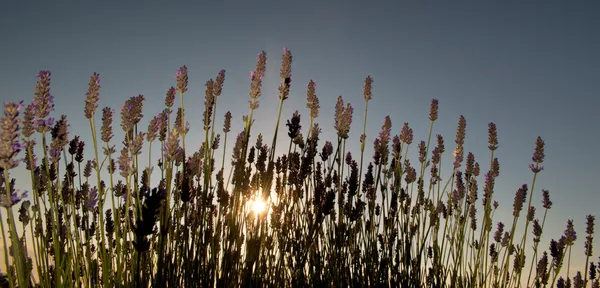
(527,66)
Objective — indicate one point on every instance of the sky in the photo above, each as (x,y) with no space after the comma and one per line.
(527,66)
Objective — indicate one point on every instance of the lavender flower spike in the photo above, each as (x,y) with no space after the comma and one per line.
(15,198)
(9,134)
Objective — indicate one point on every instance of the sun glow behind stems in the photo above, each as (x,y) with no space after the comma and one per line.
(258,205)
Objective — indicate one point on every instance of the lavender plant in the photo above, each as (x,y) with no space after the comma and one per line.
(306,218)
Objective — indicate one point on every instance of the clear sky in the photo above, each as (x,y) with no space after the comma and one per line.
(528,66)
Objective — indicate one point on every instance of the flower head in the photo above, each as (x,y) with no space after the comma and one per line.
(218,85)
(367,94)
(125,163)
(182,79)
(256,77)
(538,156)
(15,197)
(285,74)
(492,137)
(546,199)
(170,98)
(520,197)
(91,97)
(422,151)
(433,110)
(154,127)
(131,112)
(312,102)
(406,134)
(343,118)
(570,234)
(9,134)
(92,200)
(44,102)
(60,132)
(227,122)
(294,125)
(461,131)
(29,121)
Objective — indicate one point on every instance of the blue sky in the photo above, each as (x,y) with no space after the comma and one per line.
(529,67)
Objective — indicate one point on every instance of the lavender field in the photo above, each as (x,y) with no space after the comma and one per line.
(391,144)
(308,217)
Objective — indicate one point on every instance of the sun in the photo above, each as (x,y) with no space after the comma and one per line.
(258,206)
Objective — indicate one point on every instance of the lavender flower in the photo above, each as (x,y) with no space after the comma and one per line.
(29,121)
(154,127)
(422,151)
(578,280)
(131,112)
(461,131)
(495,167)
(537,231)
(125,163)
(589,230)
(182,79)
(43,101)
(215,144)
(9,134)
(285,74)
(458,156)
(406,134)
(178,125)
(538,156)
(433,110)
(367,94)
(79,154)
(73,145)
(92,199)
(91,97)
(470,164)
(15,198)
(440,143)
(135,144)
(60,132)
(570,234)
(171,147)
(492,136)
(218,85)
(312,102)
(237,148)
(343,118)
(209,103)
(546,199)
(382,142)
(327,151)
(294,125)
(227,122)
(170,98)
(531,213)
(520,197)
(256,77)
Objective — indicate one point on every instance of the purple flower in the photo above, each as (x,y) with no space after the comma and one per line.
(433,110)
(520,197)
(546,199)
(422,151)
(92,198)
(182,79)
(92,96)
(570,234)
(538,156)
(43,101)
(9,134)
(15,198)
(44,125)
